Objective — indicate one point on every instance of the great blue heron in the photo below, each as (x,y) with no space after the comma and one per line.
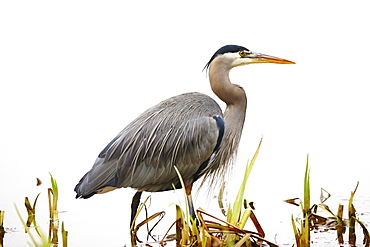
(188,131)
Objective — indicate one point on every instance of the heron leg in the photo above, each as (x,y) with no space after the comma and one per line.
(190,202)
(134,206)
(191,207)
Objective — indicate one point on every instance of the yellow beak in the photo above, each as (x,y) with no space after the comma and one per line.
(262,58)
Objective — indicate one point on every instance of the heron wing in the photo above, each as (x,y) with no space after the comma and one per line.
(177,132)
(99,177)
(151,167)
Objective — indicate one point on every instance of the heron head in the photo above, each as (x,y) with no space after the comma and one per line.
(234,55)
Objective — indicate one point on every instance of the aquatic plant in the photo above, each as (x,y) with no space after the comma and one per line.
(310,219)
(41,239)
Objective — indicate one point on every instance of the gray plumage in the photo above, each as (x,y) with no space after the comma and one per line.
(143,155)
(188,131)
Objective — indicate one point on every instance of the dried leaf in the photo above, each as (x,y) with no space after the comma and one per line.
(293,201)
(366,240)
(324,195)
(352,219)
(39,182)
(340,227)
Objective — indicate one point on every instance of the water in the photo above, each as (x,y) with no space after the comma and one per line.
(103,219)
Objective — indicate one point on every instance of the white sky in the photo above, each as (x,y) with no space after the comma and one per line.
(74,73)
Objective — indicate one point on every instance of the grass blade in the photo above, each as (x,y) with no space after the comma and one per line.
(2,231)
(53,211)
(64,235)
(220,198)
(352,219)
(234,215)
(307,195)
(187,214)
(297,234)
(305,235)
(340,227)
(45,242)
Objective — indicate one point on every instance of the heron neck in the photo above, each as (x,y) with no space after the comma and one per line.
(236,104)
(233,95)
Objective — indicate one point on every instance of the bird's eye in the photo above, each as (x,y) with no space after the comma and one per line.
(244,53)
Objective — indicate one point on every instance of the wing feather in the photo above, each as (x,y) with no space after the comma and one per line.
(177,132)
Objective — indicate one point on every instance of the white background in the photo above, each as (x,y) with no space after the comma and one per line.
(74,73)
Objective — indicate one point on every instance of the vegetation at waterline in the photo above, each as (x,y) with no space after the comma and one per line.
(210,230)
(2,230)
(37,237)
(310,220)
